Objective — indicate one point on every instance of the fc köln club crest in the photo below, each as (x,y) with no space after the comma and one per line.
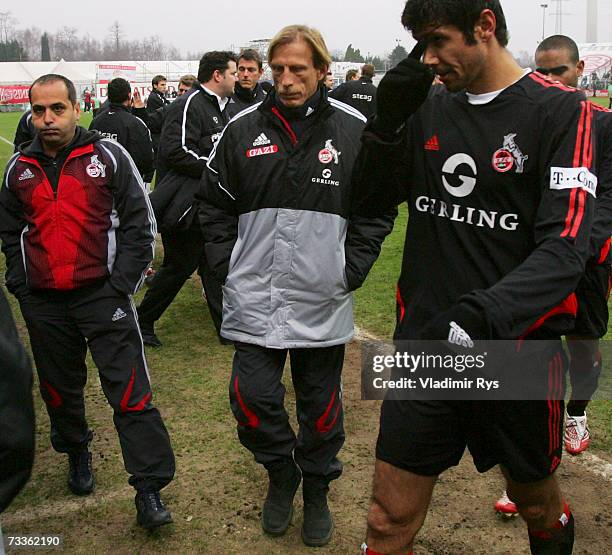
(96,168)
(509,156)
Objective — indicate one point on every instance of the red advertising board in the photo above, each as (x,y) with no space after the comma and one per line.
(14,94)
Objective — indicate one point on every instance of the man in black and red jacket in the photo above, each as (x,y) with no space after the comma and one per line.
(497,167)
(78,233)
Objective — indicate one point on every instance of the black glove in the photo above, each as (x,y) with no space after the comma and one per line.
(402,90)
(462,324)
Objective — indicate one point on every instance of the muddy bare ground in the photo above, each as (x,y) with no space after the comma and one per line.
(217,496)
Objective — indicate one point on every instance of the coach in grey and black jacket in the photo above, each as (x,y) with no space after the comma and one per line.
(277,229)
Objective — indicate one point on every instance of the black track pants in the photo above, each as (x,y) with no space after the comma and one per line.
(257,398)
(183,254)
(61,327)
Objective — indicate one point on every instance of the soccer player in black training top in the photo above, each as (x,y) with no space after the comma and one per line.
(490,166)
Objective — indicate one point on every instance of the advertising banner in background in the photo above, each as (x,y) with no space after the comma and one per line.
(144,89)
(107,72)
(14,94)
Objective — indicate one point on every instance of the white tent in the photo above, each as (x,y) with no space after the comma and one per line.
(14,73)
(68,69)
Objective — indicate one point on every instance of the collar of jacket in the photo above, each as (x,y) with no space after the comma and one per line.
(210,97)
(318,102)
(365,80)
(244,94)
(118,107)
(82,137)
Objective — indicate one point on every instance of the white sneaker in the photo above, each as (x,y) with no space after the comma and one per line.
(505,507)
(577,437)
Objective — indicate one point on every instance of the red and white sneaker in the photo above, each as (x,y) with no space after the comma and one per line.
(577,437)
(504,507)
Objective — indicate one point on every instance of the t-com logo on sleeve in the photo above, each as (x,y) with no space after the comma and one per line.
(573,178)
(467,182)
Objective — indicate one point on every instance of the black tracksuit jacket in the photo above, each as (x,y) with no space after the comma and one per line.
(243,98)
(360,94)
(119,124)
(25,130)
(501,199)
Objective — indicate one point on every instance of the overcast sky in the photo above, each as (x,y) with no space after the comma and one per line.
(370,25)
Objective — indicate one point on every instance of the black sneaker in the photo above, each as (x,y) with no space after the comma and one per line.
(150,510)
(149,338)
(80,474)
(318,525)
(278,507)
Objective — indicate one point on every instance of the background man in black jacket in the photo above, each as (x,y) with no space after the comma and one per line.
(25,130)
(119,124)
(192,126)
(248,91)
(359,93)
(558,57)
(155,120)
(74,284)
(157,99)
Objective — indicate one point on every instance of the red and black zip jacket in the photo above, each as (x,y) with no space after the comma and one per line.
(501,199)
(69,221)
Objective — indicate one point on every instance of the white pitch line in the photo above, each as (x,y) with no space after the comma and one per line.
(6,141)
(61,508)
(592,463)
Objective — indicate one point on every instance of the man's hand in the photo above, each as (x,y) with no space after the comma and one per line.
(137,101)
(402,90)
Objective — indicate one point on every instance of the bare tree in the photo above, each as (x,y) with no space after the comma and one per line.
(66,43)
(7,24)
(116,34)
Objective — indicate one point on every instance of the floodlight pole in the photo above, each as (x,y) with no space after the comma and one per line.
(543,6)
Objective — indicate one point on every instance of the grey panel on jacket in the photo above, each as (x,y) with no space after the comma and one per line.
(286,286)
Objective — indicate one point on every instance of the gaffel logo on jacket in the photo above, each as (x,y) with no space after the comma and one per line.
(261,151)
(261,140)
(96,168)
(509,156)
(27,174)
(329,153)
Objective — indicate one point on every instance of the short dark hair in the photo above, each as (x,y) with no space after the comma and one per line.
(368,70)
(188,80)
(420,15)
(118,90)
(157,79)
(214,61)
(350,74)
(560,42)
(252,56)
(52,77)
